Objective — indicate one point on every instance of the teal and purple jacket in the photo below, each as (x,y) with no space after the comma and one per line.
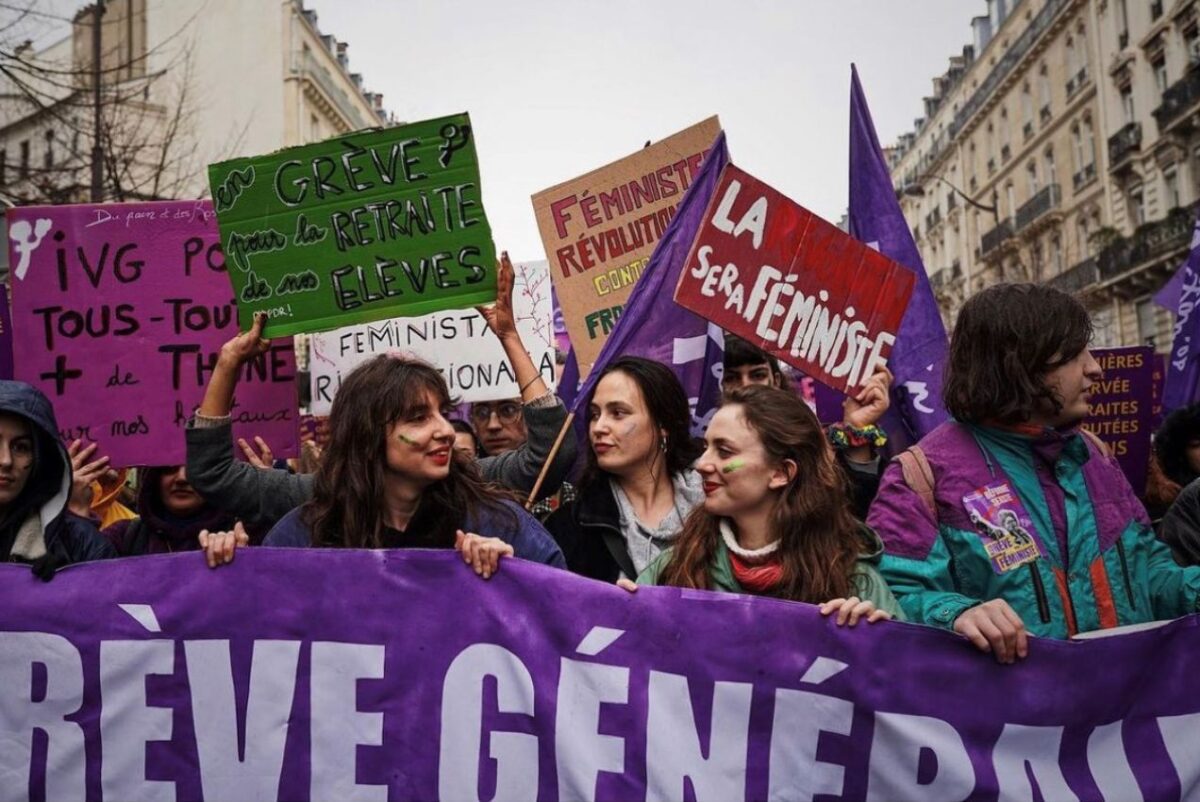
(1100,564)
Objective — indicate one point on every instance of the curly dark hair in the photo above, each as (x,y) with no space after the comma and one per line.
(1171,441)
(1007,338)
(667,403)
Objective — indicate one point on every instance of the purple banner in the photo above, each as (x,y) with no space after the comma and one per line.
(1182,384)
(6,336)
(1122,408)
(120,311)
(310,674)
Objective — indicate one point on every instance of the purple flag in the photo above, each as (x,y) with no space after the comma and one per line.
(334,674)
(653,326)
(1182,385)
(875,218)
(1168,296)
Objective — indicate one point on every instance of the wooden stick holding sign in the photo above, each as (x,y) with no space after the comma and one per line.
(558,441)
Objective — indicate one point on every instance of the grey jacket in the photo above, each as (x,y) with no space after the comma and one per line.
(261,497)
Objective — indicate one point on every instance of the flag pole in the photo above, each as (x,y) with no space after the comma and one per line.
(558,441)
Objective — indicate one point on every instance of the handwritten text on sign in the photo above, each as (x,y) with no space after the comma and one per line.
(119,312)
(458,343)
(599,230)
(157,678)
(361,227)
(775,274)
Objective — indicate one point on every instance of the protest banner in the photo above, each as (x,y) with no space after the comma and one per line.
(362,227)
(770,271)
(457,343)
(119,312)
(1122,408)
(599,230)
(158,678)
(6,345)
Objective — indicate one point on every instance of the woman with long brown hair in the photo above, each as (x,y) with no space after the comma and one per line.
(391,478)
(776,517)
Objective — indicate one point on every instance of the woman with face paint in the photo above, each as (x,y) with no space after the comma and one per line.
(391,477)
(776,518)
(639,486)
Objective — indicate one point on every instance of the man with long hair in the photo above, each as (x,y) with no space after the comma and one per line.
(1010,520)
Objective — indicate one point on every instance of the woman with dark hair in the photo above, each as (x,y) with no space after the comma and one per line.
(1010,519)
(1175,461)
(638,485)
(390,477)
(35,484)
(776,519)
(465,438)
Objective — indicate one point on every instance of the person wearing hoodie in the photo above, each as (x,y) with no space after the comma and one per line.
(776,518)
(35,484)
(261,497)
(172,516)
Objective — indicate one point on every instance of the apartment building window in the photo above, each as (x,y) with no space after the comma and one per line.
(1010,197)
(1121,15)
(1089,140)
(1004,132)
(1127,103)
(1044,91)
(1027,111)
(1137,206)
(1031,176)
(1191,40)
(1069,60)
(1159,67)
(1083,232)
(1171,187)
(1035,259)
(1147,320)
(48,157)
(24,170)
(1056,253)
(1048,161)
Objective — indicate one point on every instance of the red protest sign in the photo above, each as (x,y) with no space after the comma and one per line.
(770,271)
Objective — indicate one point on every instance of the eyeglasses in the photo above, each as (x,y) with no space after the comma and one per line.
(506,411)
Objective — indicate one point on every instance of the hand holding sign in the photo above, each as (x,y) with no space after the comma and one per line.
(499,316)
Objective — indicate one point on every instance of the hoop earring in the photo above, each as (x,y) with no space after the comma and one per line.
(662,445)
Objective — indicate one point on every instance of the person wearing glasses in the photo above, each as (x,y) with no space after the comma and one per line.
(500,425)
(261,497)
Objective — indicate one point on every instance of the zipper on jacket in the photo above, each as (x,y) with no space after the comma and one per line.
(1040,590)
(1125,574)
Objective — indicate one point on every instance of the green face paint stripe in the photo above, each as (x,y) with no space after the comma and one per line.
(408,440)
(733,466)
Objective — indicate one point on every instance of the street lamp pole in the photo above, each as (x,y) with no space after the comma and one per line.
(916,190)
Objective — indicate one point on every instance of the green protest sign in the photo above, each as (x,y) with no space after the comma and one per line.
(371,225)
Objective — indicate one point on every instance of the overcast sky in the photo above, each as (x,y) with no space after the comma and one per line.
(556,87)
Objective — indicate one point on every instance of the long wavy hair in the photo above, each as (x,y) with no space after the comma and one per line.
(819,536)
(347,508)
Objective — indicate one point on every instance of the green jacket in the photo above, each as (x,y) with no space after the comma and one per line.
(867,583)
(1098,564)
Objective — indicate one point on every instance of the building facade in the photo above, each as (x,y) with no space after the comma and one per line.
(184,84)
(1061,146)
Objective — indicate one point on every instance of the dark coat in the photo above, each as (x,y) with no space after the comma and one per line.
(67,538)
(157,531)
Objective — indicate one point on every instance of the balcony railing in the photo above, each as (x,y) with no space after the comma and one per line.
(1123,144)
(1045,201)
(1077,277)
(1084,177)
(1076,82)
(1151,240)
(1180,98)
(996,237)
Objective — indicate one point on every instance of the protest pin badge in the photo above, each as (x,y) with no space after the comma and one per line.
(370,225)
(770,271)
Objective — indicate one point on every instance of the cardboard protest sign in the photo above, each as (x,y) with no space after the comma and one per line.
(6,349)
(770,271)
(1122,408)
(119,312)
(458,343)
(362,227)
(599,230)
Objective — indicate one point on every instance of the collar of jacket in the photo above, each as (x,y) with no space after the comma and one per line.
(596,508)
(1048,444)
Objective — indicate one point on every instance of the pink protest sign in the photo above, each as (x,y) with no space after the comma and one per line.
(119,312)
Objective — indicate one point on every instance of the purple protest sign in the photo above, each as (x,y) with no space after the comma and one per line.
(119,311)
(338,674)
(1122,408)
(6,336)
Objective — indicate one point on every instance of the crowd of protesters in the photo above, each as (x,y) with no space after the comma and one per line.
(769,502)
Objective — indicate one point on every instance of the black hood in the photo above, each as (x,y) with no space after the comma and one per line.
(50,485)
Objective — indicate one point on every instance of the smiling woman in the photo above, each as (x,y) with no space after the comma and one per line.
(390,477)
